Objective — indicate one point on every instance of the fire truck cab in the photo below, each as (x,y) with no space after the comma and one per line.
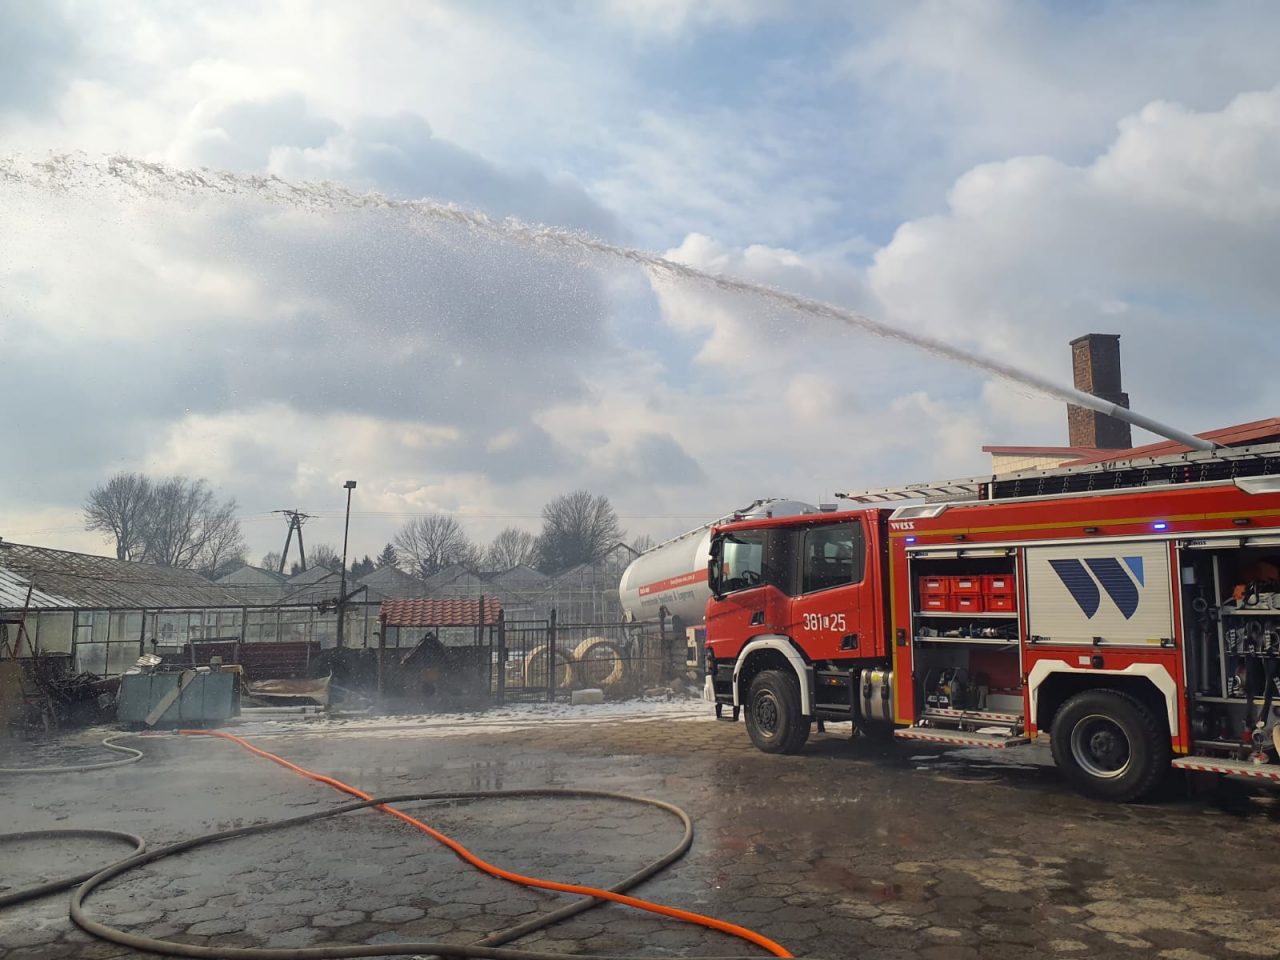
(1131,616)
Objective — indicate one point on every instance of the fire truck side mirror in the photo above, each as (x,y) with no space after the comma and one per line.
(714,568)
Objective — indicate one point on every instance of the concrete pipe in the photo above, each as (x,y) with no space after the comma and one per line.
(536,669)
(601,662)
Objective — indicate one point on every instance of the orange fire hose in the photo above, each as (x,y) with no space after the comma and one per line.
(675,913)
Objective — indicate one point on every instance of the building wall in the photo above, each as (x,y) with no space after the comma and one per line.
(1005,463)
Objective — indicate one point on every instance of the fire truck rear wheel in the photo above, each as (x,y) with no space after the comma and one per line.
(1110,745)
(774,722)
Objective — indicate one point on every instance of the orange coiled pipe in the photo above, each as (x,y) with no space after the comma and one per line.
(687,916)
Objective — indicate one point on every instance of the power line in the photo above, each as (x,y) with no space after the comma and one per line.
(396,514)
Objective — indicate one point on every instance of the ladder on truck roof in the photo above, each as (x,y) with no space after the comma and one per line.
(1193,466)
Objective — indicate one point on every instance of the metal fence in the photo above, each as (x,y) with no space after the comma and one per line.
(547,660)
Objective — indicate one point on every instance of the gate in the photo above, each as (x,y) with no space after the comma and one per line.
(525,658)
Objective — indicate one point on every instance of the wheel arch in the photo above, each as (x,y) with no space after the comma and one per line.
(1053,682)
(774,652)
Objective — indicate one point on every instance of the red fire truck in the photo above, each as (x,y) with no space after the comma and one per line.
(1130,612)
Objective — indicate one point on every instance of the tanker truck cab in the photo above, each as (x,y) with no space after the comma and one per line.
(795,612)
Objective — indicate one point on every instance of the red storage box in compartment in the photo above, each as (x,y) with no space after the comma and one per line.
(966,604)
(935,586)
(1001,603)
(993,583)
(966,586)
(935,603)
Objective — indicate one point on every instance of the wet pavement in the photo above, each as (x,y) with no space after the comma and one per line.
(853,849)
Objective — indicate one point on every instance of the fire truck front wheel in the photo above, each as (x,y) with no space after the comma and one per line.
(1110,745)
(774,722)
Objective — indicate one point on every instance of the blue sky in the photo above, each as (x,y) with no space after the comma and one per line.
(1000,175)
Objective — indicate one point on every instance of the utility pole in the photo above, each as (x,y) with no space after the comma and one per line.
(296,519)
(342,589)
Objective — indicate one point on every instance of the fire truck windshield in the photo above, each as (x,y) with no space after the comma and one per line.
(738,562)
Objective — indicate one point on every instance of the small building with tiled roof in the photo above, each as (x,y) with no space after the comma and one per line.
(453,621)
(1094,437)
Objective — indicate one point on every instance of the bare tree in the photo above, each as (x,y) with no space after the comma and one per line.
(224,547)
(270,561)
(186,526)
(119,508)
(577,528)
(642,543)
(426,545)
(323,555)
(511,548)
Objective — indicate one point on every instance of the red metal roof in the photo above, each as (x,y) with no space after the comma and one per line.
(1041,451)
(1259,431)
(438,613)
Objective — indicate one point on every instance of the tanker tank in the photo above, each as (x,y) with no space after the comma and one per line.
(674,574)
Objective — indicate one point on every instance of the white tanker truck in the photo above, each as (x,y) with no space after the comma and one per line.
(668,583)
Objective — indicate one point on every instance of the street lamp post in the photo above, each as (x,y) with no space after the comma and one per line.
(342,589)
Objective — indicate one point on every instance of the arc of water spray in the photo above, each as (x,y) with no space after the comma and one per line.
(74,173)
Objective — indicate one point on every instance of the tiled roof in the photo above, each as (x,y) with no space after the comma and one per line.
(1258,431)
(439,613)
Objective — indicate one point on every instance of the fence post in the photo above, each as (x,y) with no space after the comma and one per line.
(502,656)
(664,652)
(382,649)
(551,657)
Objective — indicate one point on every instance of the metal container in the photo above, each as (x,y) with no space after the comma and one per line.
(674,574)
(209,697)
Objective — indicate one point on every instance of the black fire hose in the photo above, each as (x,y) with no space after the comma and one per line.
(132,756)
(489,947)
(1264,713)
(53,886)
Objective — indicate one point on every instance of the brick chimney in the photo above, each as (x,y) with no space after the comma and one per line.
(1095,364)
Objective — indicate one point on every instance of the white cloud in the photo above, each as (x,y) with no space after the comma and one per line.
(1214,166)
(1169,228)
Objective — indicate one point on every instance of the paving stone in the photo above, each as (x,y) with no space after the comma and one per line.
(31,936)
(209,928)
(337,918)
(396,914)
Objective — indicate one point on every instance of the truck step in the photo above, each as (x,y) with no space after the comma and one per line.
(959,739)
(981,718)
(1238,768)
